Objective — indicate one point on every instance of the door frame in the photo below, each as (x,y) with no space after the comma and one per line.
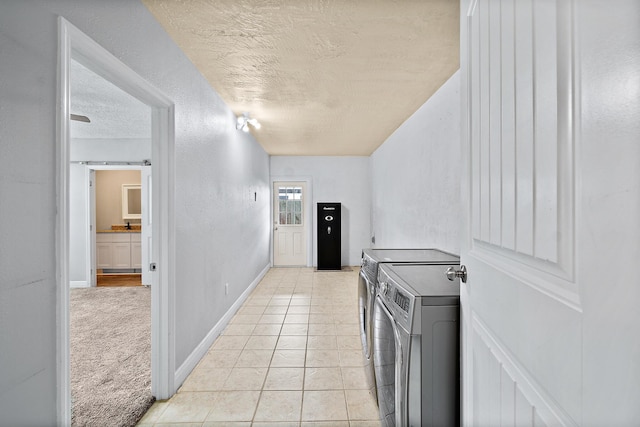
(308,208)
(74,43)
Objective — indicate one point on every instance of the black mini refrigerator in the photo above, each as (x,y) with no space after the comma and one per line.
(329,236)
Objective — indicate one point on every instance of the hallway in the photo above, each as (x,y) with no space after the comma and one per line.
(291,356)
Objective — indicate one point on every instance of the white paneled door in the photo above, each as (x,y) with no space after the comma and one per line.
(146,234)
(532,307)
(289,224)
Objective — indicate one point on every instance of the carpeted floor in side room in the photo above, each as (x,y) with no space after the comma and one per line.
(110,333)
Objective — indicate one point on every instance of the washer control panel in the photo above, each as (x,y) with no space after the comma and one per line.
(397,300)
(370,267)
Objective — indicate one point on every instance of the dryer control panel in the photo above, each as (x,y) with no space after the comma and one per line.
(401,300)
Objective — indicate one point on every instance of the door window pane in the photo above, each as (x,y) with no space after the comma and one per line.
(290,205)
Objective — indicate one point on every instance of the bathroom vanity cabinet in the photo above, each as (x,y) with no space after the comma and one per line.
(118,250)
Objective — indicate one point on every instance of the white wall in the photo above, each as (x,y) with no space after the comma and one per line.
(222,235)
(108,194)
(415,177)
(608,201)
(335,179)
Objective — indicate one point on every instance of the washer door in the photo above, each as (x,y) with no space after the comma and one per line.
(365,305)
(388,365)
(365,302)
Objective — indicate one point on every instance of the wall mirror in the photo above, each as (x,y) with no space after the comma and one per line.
(131,201)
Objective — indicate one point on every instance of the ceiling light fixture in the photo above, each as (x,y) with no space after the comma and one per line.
(244,121)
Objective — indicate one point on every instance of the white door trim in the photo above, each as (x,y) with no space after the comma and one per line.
(73,43)
(308,209)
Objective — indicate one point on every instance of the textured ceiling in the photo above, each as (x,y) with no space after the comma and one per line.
(114,114)
(323,77)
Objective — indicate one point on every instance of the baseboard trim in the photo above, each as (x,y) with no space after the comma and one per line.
(201,349)
(79,284)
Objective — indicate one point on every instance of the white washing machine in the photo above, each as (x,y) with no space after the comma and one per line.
(368,286)
(416,350)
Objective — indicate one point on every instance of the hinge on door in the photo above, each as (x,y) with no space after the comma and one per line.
(153,266)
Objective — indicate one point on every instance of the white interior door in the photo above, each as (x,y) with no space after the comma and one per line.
(146,230)
(290,223)
(91,213)
(542,320)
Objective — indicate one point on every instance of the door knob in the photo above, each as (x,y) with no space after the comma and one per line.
(461,274)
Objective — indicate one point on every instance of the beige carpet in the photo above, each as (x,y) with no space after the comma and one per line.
(110,355)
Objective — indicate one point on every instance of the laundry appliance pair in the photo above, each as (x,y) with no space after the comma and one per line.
(409,326)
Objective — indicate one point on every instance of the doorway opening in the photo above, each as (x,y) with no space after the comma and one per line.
(76,46)
(119,233)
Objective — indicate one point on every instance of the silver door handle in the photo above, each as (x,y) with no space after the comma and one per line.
(461,274)
(329,230)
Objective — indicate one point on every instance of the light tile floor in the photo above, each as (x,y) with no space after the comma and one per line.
(291,356)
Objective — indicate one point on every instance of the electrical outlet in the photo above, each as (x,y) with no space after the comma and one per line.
(226,289)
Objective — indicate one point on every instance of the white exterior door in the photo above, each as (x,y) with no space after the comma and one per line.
(290,224)
(551,183)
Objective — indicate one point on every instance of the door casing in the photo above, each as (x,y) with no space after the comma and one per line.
(73,43)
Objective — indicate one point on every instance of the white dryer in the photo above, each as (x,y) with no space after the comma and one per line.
(416,345)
